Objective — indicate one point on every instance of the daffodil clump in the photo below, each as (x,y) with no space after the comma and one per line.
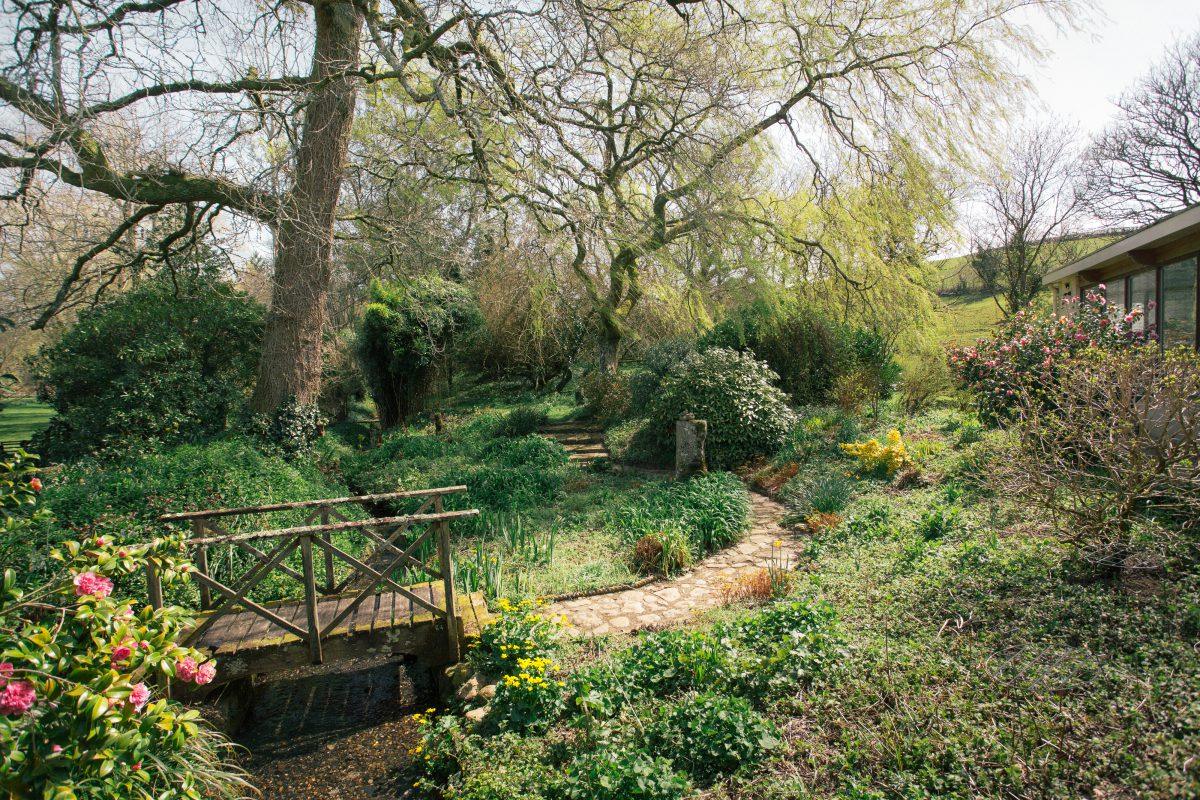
(531,698)
(875,458)
(519,631)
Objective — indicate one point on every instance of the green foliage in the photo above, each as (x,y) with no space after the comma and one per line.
(826,491)
(665,550)
(505,474)
(77,717)
(518,632)
(623,773)
(529,698)
(747,415)
(126,495)
(704,514)
(632,442)
(711,735)
(290,429)
(522,421)
(938,521)
(786,645)
(404,336)
(168,361)
(807,351)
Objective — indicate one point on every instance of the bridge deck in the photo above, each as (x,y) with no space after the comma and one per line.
(245,642)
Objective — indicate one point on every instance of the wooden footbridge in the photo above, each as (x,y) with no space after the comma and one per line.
(396,596)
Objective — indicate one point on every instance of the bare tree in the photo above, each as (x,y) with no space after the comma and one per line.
(251,106)
(1146,164)
(1030,206)
(623,127)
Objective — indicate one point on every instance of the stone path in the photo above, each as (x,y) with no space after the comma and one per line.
(672,601)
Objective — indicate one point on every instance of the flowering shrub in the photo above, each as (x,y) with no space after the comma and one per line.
(76,668)
(879,459)
(1029,350)
(518,632)
(530,698)
(747,414)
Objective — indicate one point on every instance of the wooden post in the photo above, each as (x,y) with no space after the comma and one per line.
(447,568)
(202,567)
(310,599)
(327,539)
(153,584)
(201,556)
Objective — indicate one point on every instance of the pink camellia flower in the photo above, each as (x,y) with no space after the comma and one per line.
(205,673)
(143,645)
(6,672)
(92,584)
(35,484)
(16,698)
(101,541)
(185,669)
(56,748)
(139,696)
(121,654)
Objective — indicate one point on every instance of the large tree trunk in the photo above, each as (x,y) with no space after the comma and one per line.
(291,354)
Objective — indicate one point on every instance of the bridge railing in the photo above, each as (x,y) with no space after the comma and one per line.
(369,573)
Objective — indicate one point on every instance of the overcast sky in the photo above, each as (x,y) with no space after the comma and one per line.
(1087,69)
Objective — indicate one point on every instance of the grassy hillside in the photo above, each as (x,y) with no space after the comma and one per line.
(967,311)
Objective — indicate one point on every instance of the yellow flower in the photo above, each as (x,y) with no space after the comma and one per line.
(777,543)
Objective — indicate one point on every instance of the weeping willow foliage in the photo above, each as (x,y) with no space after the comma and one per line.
(869,264)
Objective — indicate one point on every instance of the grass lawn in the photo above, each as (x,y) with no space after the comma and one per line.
(23,417)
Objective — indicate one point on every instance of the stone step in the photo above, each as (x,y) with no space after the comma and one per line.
(570,427)
(578,438)
(599,450)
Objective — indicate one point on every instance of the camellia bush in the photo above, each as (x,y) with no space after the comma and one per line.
(83,713)
(1029,349)
(747,414)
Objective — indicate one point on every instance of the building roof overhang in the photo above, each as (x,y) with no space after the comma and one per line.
(1138,247)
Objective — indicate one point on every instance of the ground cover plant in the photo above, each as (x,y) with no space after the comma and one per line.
(123,497)
(677,524)
(677,710)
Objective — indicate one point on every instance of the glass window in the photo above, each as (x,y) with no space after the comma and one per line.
(1115,294)
(1179,303)
(1143,298)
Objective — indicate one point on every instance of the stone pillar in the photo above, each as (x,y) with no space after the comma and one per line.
(690,436)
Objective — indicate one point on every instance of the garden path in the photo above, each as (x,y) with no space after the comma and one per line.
(671,601)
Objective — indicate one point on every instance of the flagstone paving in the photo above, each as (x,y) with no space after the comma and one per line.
(673,601)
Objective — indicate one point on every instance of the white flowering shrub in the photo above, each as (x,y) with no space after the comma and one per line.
(747,414)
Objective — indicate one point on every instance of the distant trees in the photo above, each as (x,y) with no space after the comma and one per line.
(1146,164)
(1030,206)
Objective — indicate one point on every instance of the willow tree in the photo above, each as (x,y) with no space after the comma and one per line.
(628,135)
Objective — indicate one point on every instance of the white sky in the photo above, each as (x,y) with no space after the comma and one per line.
(1087,69)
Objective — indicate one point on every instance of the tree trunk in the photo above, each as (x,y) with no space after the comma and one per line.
(291,353)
